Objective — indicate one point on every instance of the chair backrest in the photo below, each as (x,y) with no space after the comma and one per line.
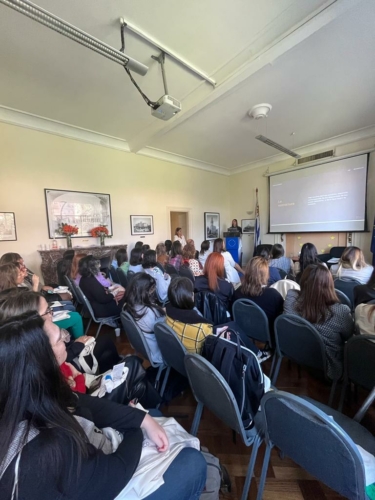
(299,341)
(346,286)
(104,263)
(171,348)
(344,299)
(130,275)
(73,288)
(85,302)
(359,359)
(210,388)
(211,307)
(315,442)
(283,274)
(284,285)
(259,249)
(136,336)
(122,277)
(170,269)
(336,252)
(114,276)
(252,320)
(186,272)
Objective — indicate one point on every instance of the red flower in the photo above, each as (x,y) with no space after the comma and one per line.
(98,231)
(66,229)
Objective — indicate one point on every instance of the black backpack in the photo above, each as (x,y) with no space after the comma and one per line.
(241,369)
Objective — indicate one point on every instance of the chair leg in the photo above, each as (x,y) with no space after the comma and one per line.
(342,397)
(165,381)
(277,369)
(264,471)
(273,365)
(250,468)
(196,420)
(332,393)
(158,375)
(98,330)
(366,405)
(88,326)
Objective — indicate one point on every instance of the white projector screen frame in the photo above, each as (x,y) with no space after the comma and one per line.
(299,197)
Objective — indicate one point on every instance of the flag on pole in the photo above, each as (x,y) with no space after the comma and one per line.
(257,240)
(372,248)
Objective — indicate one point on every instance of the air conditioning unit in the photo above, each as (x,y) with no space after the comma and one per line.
(316,157)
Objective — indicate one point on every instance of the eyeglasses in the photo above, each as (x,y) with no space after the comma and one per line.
(48,311)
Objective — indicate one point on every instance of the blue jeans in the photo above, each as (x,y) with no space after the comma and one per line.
(184,479)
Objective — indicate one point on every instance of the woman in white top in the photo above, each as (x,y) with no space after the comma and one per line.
(204,252)
(352,265)
(178,236)
(231,267)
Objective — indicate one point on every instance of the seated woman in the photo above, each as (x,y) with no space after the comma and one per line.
(188,254)
(254,287)
(191,328)
(141,304)
(178,236)
(352,265)
(74,273)
(161,255)
(168,246)
(274,272)
(308,255)
(176,259)
(213,280)
(365,319)
(19,302)
(135,263)
(69,466)
(318,303)
(64,266)
(103,301)
(279,260)
(231,267)
(365,293)
(122,260)
(162,279)
(204,252)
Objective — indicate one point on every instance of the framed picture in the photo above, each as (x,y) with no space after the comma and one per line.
(7,226)
(211,225)
(142,224)
(84,210)
(248,226)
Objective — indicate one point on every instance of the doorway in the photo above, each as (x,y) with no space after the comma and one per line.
(179,219)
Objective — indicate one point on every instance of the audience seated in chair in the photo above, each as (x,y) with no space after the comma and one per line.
(318,303)
(122,260)
(352,265)
(279,260)
(104,301)
(204,252)
(74,272)
(141,304)
(365,293)
(213,280)
(161,255)
(64,266)
(168,246)
(254,287)
(274,272)
(176,258)
(51,435)
(189,254)
(231,268)
(308,255)
(150,267)
(135,262)
(365,319)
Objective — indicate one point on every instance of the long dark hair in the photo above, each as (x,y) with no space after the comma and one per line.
(89,266)
(176,249)
(219,245)
(205,245)
(277,251)
(33,389)
(142,292)
(308,256)
(317,294)
(136,256)
(180,293)
(121,256)
(19,301)
(149,259)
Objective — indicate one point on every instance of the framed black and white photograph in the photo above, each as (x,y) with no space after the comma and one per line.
(211,225)
(77,208)
(248,226)
(142,224)
(7,226)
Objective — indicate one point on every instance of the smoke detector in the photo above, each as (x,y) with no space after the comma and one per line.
(260,111)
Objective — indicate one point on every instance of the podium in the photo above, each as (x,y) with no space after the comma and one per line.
(233,245)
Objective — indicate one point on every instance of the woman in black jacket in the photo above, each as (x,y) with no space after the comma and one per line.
(44,447)
(103,301)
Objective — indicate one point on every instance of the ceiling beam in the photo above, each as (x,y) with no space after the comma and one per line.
(202,96)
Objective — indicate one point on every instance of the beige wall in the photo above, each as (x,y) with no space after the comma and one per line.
(242,198)
(31,161)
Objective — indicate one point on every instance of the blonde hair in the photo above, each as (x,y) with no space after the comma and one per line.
(352,258)
(256,276)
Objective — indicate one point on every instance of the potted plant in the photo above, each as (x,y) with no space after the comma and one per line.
(100,232)
(67,230)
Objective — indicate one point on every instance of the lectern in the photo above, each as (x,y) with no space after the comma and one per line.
(233,245)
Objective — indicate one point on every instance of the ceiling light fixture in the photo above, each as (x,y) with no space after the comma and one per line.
(260,111)
(64,28)
(275,145)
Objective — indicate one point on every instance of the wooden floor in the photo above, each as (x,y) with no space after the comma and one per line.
(285,480)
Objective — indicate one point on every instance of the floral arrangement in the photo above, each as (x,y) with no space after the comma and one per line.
(100,232)
(66,229)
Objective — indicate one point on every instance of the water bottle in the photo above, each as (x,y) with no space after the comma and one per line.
(108,383)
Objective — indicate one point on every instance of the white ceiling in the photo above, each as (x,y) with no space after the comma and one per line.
(313,60)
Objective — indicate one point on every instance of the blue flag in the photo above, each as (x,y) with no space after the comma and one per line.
(372,248)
